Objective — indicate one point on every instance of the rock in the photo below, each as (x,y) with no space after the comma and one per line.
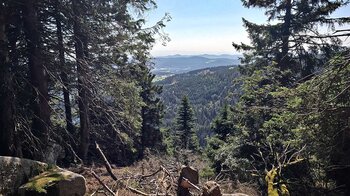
(15,171)
(37,178)
(211,188)
(55,182)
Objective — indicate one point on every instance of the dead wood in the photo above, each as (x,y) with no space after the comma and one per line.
(107,165)
(100,181)
(190,183)
(137,191)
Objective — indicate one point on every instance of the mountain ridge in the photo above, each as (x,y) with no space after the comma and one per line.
(165,66)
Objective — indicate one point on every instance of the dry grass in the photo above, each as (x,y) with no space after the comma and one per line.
(159,183)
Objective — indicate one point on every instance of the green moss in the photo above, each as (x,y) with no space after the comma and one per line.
(41,182)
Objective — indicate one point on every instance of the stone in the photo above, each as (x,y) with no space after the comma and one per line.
(55,182)
(211,188)
(28,177)
(16,171)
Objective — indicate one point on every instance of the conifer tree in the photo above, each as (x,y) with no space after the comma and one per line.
(185,135)
(7,124)
(283,53)
(151,113)
(291,39)
(222,125)
(38,76)
(75,63)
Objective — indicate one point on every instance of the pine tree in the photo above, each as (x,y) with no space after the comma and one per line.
(186,137)
(293,41)
(151,113)
(38,76)
(222,125)
(7,124)
(283,53)
(55,54)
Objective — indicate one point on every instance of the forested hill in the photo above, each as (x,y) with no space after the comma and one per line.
(166,66)
(207,90)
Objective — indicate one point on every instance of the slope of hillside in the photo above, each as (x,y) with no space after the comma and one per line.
(207,90)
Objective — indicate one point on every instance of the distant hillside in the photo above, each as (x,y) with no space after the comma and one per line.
(207,90)
(175,64)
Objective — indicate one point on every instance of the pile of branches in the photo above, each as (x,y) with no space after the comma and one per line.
(163,181)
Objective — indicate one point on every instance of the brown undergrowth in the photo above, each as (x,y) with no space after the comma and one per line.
(154,175)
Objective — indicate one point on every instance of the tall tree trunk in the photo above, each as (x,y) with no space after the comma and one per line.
(64,75)
(81,54)
(38,75)
(284,58)
(7,125)
(13,36)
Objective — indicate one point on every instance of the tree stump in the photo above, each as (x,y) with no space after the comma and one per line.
(187,174)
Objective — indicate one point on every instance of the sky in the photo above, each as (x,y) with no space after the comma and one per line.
(206,26)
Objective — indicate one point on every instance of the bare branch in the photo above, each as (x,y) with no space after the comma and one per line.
(107,165)
(100,181)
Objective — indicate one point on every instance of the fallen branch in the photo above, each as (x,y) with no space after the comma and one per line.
(107,165)
(172,179)
(166,171)
(190,183)
(152,174)
(137,191)
(100,181)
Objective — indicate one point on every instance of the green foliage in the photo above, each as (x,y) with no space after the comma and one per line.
(206,89)
(152,113)
(293,110)
(222,125)
(92,64)
(206,173)
(324,112)
(212,152)
(185,136)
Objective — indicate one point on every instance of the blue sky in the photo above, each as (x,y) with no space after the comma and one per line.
(206,26)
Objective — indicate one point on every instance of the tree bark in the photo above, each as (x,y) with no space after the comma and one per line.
(81,59)
(7,125)
(284,58)
(64,75)
(38,76)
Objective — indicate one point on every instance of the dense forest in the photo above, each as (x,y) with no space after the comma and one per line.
(76,81)
(207,91)
(74,73)
(290,127)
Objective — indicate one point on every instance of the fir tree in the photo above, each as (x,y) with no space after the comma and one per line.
(151,113)
(291,40)
(185,135)
(283,53)
(222,125)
